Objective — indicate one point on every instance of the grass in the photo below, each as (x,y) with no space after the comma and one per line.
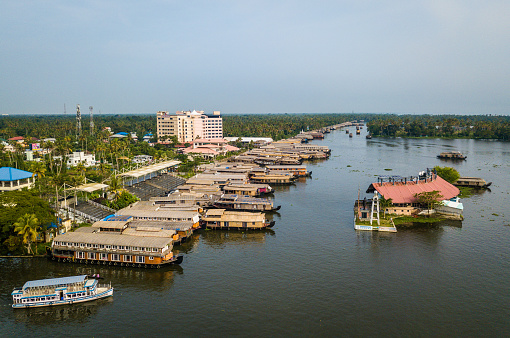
(409,219)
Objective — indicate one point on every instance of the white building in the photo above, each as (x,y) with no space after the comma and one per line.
(189,125)
(142,159)
(80,157)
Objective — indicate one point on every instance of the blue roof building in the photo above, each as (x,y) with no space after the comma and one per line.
(15,179)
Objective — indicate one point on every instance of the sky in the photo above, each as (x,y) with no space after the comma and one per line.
(380,56)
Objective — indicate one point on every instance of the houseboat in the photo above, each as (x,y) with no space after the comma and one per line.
(296,170)
(59,291)
(114,243)
(223,219)
(249,189)
(273,178)
(473,182)
(451,155)
(245,203)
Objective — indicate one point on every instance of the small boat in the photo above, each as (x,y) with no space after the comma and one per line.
(347,131)
(59,291)
(350,135)
(368,136)
(451,155)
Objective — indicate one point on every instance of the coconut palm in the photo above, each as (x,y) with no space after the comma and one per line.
(27,226)
(116,185)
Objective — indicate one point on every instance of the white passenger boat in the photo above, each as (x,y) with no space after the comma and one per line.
(59,291)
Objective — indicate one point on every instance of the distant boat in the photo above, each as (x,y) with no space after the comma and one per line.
(368,136)
(451,155)
(473,182)
(350,135)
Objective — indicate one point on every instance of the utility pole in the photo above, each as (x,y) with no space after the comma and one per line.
(78,120)
(91,121)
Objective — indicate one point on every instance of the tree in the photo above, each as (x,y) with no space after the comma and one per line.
(27,226)
(116,185)
(429,198)
(385,203)
(449,174)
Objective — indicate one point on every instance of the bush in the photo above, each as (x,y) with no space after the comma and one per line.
(447,173)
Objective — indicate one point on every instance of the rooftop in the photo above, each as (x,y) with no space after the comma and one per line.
(13,174)
(54,281)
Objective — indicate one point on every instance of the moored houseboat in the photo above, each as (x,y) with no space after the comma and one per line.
(223,219)
(249,189)
(244,203)
(452,155)
(273,178)
(59,291)
(116,244)
(473,182)
(296,170)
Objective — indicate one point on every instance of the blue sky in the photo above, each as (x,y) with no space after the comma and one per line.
(438,56)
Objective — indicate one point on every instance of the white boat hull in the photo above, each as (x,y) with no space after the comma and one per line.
(101,293)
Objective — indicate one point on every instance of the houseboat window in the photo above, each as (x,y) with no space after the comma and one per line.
(92,255)
(114,247)
(103,256)
(151,258)
(140,259)
(108,246)
(115,257)
(155,249)
(82,245)
(101,246)
(128,258)
(225,224)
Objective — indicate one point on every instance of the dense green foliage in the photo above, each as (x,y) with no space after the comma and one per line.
(441,126)
(15,205)
(449,174)
(429,198)
(278,126)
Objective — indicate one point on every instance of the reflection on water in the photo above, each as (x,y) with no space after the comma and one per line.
(221,238)
(79,313)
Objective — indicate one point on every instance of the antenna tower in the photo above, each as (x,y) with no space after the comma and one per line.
(91,120)
(78,120)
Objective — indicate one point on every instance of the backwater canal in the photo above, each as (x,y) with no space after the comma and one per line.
(312,274)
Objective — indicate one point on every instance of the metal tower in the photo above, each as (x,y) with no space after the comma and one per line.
(78,120)
(91,120)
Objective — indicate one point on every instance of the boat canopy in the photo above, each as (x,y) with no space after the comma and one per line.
(54,281)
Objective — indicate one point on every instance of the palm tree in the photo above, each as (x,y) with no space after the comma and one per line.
(27,226)
(38,169)
(385,203)
(116,185)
